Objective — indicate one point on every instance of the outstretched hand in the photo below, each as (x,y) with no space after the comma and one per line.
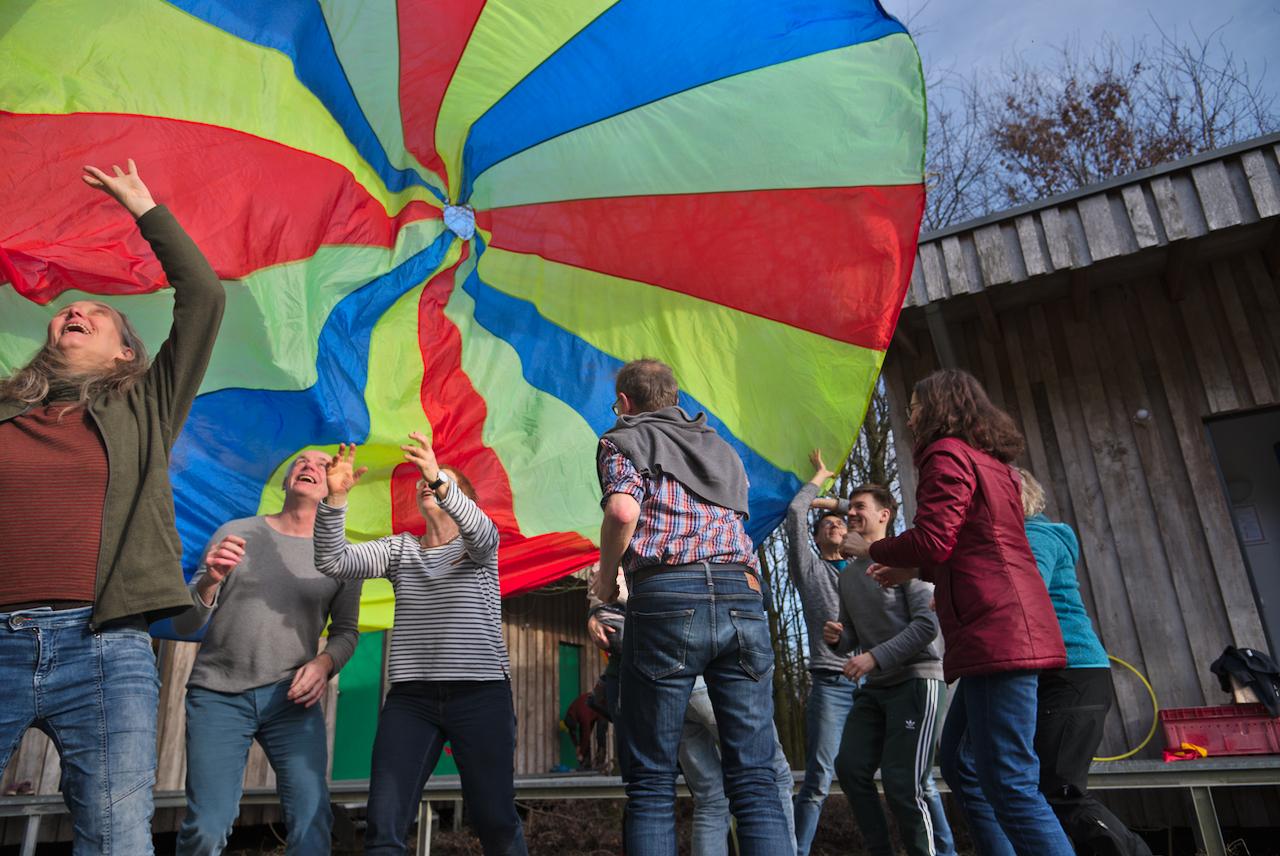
(341,474)
(821,474)
(126,188)
(421,455)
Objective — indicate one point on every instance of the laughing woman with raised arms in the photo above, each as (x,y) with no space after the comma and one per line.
(91,553)
(449,673)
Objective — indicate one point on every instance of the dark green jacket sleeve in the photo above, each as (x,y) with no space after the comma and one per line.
(198,301)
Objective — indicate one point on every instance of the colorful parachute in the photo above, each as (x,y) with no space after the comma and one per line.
(467,214)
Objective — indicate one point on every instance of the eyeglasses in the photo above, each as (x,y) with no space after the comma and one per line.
(617,411)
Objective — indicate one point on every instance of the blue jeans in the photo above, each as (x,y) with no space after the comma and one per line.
(681,624)
(988,759)
(95,695)
(944,843)
(700,761)
(612,691)
(830,700)
(478,720)
(220,729)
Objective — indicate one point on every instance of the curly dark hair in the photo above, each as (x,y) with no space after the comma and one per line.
(953,404)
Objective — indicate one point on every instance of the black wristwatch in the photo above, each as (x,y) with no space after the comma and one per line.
(441,478)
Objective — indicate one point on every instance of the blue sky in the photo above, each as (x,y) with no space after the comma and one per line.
(974,34)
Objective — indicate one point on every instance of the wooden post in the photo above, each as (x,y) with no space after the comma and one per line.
(941,338)
(31,836)
(425,819)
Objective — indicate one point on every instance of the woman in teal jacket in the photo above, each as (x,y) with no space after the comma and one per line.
(1072,702)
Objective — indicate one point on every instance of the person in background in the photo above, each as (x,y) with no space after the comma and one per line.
(700,761)
(895,714)
(1072,703)
(91,552)
(449,671)
(815,565)
(997,621)
(258,674)
(579,723)
(674,502)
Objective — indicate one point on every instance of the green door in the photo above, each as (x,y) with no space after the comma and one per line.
(359,698)
(570,689)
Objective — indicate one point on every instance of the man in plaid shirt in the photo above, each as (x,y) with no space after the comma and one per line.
(675,498)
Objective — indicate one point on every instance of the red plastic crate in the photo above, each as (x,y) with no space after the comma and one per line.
(1233,729)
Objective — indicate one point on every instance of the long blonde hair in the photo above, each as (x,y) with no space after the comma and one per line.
(48,370)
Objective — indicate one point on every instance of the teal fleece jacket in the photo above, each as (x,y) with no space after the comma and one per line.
(1056,550)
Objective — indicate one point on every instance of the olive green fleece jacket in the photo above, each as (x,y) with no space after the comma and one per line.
(139,557)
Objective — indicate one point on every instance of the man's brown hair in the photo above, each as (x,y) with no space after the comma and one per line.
(882,497)
(649,384)
(953,404)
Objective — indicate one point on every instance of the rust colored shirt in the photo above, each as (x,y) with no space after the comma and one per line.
(53,484)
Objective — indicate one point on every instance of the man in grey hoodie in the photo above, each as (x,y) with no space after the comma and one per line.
(895,713)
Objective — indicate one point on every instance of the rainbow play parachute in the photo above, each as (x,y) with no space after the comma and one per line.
(466,215)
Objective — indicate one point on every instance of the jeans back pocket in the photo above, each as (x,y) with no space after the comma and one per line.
(659,641)
(755,648)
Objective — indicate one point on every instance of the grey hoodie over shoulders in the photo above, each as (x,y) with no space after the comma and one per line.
(895,625)
(815,579)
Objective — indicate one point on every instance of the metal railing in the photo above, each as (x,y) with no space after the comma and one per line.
(1198,777)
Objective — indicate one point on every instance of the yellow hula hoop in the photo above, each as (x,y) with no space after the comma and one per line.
(1155,714)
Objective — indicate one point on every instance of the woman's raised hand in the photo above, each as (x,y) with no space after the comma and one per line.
(124,187)
(421,455)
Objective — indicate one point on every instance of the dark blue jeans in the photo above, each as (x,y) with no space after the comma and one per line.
(220,729)
(988,759)
(95,695)
(681,624)
(478,720)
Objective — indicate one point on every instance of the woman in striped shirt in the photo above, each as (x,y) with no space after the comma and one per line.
(449,673)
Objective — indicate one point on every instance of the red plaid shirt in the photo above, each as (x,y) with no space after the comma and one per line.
(675,527)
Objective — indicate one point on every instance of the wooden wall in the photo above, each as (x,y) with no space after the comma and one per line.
(1161,570)
(534,625)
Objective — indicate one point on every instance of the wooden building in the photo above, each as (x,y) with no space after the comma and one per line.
(1133,331)
(552,662)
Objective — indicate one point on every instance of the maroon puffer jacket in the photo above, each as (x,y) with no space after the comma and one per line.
(969,538)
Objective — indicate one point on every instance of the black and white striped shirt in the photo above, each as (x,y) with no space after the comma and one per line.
(448,616)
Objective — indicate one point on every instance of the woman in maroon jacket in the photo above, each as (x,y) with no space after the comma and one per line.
(968,537)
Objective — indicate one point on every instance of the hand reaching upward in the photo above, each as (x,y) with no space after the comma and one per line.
(421,455)
(821,475)
(341,474)
(124,187)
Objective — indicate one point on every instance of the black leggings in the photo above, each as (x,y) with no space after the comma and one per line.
(1072,705)
(478,720)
